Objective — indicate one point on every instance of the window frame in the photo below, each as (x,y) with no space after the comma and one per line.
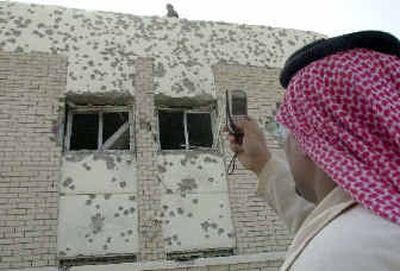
(211,110)
(100,110)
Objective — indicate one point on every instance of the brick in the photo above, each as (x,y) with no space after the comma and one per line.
(28,158)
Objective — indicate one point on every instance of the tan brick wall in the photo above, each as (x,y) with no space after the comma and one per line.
(31,88)
(257,227)
(150,231)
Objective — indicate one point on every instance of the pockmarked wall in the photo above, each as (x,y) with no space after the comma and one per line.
(102,47)
(141,204)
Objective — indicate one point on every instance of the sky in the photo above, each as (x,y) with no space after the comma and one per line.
(329,17)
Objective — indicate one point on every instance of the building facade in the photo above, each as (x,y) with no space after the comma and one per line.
(112,149)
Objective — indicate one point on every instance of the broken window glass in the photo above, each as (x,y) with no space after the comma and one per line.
(98,129)
(239,103)
(172,130)
(199,130)
(84,132)
(116,131)
(182,129)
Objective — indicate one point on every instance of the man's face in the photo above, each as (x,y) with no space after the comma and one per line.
(301,167)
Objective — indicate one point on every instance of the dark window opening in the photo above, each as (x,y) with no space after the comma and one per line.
(185,129)
(96,260)
(116,130)
(97,129)
(199,129)
(192,255)
(239,103)
(172,130)
(84,132)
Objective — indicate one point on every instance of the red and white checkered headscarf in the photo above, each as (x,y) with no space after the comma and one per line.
(344,111)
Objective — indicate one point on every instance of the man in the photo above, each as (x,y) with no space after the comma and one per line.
(342,108)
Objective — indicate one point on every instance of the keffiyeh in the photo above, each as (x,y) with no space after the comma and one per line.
(344,111)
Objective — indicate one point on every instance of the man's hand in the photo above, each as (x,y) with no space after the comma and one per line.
(253,153)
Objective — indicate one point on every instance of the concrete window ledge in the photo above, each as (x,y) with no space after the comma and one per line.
(204,262)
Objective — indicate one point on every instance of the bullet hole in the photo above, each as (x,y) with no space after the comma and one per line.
(190,215)
(86,166)
(180,211)
(67,182)
(169,191)
(132,210)
(200,167)
(220,216)
(205,225)
(97,206)
(126,240)
(220,231)
(120,208)
(113,180)
(116,215)
(166,221)
(105,247)
(130,232)
(107,196)
(195,201)
(87,235)
(165,207)
(88,202)
(72,187)
(126,212)
(174,237)
(165,163)
(178,243)
(91,196)
(230,235)
(161,169)
(109,240)
(214,225)
(90,240)
(62,253)
(210,160)
(122,184)
(97,222)
(221,205)
(67,249)
(118,159)
(172,213)
(171,164)
(207,236)
(211,180)
(132,198)
(122,234)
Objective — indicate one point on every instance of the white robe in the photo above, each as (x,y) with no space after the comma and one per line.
(336,235)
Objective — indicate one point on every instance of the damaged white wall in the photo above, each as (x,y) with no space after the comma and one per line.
(102,47)
(98,211)
(195,203)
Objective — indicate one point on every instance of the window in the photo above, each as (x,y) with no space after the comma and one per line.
(98,128)
(238,103)
(185,129)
